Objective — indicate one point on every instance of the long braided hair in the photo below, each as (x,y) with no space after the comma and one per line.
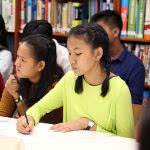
(94,35)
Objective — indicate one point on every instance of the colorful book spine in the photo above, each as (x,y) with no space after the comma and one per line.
(78,10)
(141,14)
(132,18)
(124,16)
(147,21)
(22,16)
(46,10)
(29,12)
(49,11)
(34,9)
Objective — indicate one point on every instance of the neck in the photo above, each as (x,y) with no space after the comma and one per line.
(116,49)
(96,76)
(36,79)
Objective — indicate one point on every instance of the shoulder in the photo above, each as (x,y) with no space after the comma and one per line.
(134,60)
(5,53)
(68,79)
(70,75)
(60,48)
(116,83)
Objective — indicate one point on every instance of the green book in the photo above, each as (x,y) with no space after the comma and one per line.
(132,19)
(141,18)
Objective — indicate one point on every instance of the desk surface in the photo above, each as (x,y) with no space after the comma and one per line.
(42,139)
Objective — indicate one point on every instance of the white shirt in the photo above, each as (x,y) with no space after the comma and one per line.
(6,64)
(62,57)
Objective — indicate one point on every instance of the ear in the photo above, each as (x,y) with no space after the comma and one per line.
(98,53)
(116,32)
(41,65)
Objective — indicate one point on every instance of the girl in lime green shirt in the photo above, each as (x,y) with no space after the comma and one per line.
(92,97)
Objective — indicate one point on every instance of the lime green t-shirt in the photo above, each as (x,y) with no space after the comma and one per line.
(112,113)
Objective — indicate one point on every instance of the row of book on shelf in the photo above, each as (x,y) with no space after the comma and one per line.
(143,53)
(136,18)
(65,14)
(61,14)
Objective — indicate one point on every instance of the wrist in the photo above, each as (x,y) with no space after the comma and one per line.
(16,96)
(17,100)
(83,122)
(87,124)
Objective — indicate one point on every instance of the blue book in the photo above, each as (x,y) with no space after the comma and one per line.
(34,9)
(29,10)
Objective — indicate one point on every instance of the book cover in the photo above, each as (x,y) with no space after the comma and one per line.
(124,16)
(141,14)
(132,19)
(147,21)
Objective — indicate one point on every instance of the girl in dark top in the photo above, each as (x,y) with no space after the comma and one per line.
(36,72)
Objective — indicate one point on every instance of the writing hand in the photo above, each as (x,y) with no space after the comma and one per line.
(23,127)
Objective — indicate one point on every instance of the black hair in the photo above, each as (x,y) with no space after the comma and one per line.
(144,129)
(94,35)
(110,17)
(3,41)
(42,49)
(38,27)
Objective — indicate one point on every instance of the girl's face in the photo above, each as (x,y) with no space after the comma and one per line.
(82,57)
(26,65)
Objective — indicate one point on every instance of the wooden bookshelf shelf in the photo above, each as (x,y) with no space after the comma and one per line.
(135,40)
(147,86)
(60,34)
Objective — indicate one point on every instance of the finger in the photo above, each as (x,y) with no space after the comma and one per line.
(11,77)
(59,129)
(23,121)
(55,126)
(20,126)
(14,81)
(67,129)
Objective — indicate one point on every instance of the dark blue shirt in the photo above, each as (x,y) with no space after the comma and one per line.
(132,71)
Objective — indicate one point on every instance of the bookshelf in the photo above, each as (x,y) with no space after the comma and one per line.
(135,40)
(63,36)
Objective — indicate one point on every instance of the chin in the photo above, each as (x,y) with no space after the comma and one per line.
(77,72)
(19,75)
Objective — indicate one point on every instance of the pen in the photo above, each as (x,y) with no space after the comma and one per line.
(23,107)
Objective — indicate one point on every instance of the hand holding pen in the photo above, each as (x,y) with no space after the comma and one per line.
(23,127)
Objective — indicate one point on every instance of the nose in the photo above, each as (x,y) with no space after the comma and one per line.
(17,62)
(72,59)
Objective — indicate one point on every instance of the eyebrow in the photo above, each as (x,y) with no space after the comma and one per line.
(76,48)
(21,56)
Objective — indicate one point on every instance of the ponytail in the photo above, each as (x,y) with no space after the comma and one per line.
(79,84)
(105,84)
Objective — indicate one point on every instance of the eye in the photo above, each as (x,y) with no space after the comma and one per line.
(78,54)
(22,60)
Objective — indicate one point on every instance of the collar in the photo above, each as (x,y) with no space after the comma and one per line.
(122,56)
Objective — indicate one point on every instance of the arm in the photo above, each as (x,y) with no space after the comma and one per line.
(52,100)
(1,85)
(137,111)
(62,57)
(136,86)
(5,62)
(124,113)
(7,104)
